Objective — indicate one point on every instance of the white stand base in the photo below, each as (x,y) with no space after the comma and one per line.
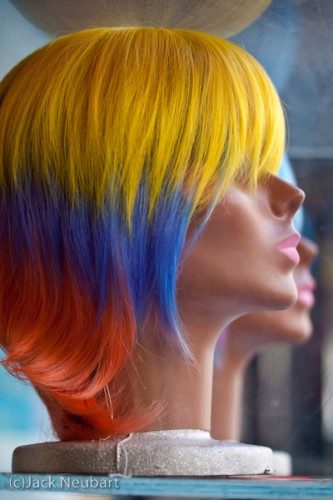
(185,452)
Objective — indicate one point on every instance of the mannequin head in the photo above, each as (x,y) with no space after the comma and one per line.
(117,145)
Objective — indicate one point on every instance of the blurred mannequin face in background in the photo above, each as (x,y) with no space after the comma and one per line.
(250,333)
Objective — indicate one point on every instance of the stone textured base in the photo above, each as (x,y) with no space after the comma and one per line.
(184,452)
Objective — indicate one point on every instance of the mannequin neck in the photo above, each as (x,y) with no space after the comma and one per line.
(235,354)
(228,382)
(160,373)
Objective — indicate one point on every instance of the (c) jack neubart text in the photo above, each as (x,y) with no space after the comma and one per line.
(27,482)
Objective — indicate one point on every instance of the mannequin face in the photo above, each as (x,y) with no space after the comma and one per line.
(239,264)
(292,325)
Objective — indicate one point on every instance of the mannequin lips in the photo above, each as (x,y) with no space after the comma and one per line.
(289,245)
(306,295)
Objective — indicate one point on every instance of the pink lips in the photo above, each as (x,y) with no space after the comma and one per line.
(289,245)
(306,294)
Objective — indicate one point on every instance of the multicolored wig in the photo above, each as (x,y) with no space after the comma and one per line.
(112,141)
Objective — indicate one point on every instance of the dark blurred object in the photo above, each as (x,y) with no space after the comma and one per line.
(293,40)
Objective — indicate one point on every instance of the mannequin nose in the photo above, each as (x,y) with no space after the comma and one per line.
(285,198)
(308,250)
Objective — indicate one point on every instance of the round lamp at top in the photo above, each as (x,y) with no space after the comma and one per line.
(220,17)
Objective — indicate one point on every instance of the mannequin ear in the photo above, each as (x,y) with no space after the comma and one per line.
(223,18)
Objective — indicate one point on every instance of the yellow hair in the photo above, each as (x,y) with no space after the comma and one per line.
(195,108)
